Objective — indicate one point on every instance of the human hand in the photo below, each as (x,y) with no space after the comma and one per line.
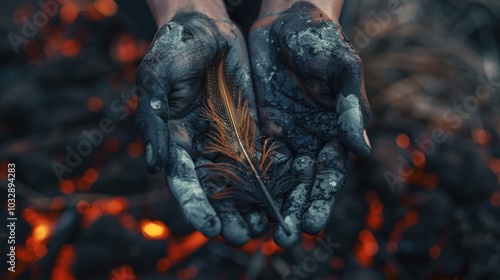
(171,80)
(311,96)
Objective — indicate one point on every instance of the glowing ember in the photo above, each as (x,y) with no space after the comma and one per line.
(495,199)
(70,48)
(106,7)
(481,136)
(134,150)
(67,187)
(163,264)
(69,12)
(434,252)
(115,206)
(95,104)
(154,229)
(269,248)
(41,232)
(180,248)
(91,175)
(403,141)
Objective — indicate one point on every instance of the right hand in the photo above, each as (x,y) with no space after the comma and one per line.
(171,79)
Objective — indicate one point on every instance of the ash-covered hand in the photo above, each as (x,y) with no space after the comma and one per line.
(311,96)
(171,90)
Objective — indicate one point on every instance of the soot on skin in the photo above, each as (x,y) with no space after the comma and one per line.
(309,62)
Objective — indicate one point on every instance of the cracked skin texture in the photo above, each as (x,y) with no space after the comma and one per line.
(310,95)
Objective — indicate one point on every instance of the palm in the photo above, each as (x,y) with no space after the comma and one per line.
(171,91)
(309,86)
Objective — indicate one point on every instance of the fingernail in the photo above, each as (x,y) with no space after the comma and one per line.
(150,158)
(149,154)
(367,140)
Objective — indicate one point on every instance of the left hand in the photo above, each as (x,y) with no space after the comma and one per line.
(311,96)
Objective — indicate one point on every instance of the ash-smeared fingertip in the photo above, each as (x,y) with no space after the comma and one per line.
(316,217)
(358,144)
(202,217)
(212,228)
(281,238)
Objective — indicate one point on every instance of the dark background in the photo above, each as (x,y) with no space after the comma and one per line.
(424,205)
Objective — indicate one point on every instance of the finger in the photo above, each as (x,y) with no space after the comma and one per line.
(238,65)
(351,124)
(352,107)
(329,179)
(295,202)
(292,217)
(152,114)
(257,223)
(233,228)
(183,182)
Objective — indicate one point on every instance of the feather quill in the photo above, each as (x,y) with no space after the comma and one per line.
(234,136)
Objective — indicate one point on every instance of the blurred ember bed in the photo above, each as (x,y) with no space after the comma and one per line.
(425,205)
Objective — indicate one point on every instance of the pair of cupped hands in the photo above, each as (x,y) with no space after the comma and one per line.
(304,82)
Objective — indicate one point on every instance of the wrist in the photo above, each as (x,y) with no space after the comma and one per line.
(331,8)
(164,10)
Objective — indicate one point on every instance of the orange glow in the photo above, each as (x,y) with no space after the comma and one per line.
(106,7)
(411,218)
(308,244)
(418,158)
(481,136)
(63,261)
(180,248)
(269,248)
(95,104)
(434,252)
(67,250)
(375,217)
(495,165)
(128,222)
(70,48)
(69,12)
(134,150)
(163,264)
(40,251)
(92,213)
(94,14)
(376,206)
(41,232)
(495,199)
(371,248)
(57,203)
(91,175)
(82,184)
(362,257)
(154,229)
(67,187)
(126,49)
(115,206)
(123,272)
(132,103)
(365,236)
(403,141)
(252,245)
